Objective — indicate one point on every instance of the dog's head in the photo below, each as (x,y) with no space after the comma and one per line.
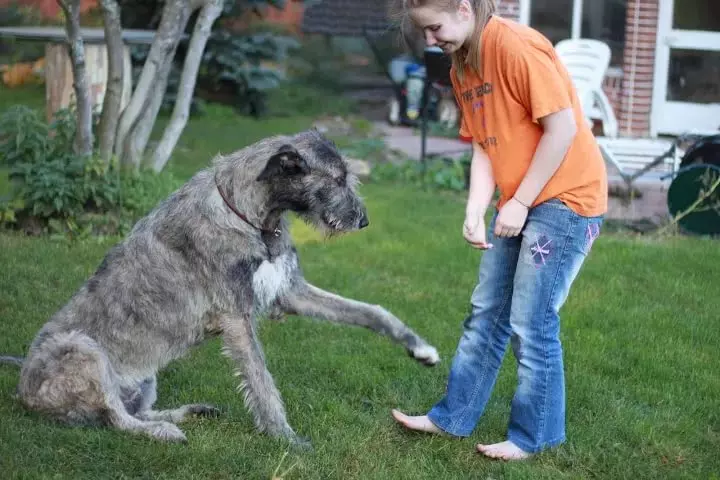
(307,175)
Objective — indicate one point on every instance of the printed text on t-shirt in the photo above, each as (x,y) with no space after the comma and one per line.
(473,96)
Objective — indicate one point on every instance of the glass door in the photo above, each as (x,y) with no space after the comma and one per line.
(686,93)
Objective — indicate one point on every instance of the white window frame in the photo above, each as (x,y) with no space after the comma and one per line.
(524,16)
(676,117)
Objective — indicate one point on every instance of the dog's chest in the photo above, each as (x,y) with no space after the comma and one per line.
(272,279)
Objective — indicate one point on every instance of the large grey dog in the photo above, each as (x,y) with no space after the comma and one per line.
(212,258)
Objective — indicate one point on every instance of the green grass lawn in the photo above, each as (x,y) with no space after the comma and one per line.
(640,332)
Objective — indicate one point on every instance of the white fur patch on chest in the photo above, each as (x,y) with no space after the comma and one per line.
(271,279)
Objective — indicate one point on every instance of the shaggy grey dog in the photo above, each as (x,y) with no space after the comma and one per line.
(211,259)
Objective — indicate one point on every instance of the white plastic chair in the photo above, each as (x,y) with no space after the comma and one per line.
(587,62)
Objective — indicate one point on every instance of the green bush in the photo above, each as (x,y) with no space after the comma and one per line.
(443,173)
(55,190)
(370,149)
(49,180)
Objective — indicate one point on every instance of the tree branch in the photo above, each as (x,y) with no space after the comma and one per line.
(115,77)
(137,141)
(693,208)
(172,24)
(203,27)
(84,134)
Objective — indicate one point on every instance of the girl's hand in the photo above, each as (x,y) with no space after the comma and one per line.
(474,231)
(511,219)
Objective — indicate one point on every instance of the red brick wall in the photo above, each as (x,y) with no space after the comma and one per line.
(638,67)
(612,86)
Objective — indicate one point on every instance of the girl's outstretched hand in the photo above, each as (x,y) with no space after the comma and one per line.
(511,219)
(474,231)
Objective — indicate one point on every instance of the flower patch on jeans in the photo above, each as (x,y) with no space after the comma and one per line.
(593,232)
(541,250)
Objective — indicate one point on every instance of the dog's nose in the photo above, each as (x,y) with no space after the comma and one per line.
(364,222)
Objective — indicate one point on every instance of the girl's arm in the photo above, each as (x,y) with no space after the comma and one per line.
(482,183)
(482,188)
(559,130)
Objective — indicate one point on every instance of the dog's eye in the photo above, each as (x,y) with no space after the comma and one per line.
(340,181)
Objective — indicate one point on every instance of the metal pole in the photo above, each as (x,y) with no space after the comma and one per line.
(423,124)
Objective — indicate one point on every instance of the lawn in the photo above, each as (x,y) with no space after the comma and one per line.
(640,333)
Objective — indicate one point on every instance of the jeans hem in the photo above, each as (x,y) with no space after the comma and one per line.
(536,449)
(445,428)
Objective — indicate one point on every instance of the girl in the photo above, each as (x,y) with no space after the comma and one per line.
(531,142)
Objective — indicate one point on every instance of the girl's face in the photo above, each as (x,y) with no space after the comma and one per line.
(449,30)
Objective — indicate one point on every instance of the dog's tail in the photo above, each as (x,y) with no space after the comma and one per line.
(12,360)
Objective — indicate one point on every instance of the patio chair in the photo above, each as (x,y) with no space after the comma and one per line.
(587,62)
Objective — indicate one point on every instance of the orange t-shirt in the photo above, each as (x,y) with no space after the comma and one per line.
(523,80)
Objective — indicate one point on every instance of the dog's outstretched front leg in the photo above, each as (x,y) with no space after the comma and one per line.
(306,299)
(262,398)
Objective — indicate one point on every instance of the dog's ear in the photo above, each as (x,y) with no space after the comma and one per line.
(287,161)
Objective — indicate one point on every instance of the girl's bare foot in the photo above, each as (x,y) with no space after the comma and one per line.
(419,423)
(505,451)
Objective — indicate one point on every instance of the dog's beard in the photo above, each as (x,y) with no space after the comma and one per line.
(317,223)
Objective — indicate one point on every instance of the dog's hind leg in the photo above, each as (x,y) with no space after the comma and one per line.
(308,300)
(148,396)
(262,397)
(69,377)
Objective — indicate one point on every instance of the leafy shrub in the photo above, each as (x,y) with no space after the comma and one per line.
(52,189)
(49,179)
(142,191)
(370,149)
(247,66)
(444,173)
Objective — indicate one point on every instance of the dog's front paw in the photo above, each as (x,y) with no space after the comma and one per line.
(204,410)
(167,432)
(425,354)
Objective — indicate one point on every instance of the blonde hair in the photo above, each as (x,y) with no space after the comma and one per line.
(483,9)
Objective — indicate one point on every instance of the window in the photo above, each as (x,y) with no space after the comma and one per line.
(600,20)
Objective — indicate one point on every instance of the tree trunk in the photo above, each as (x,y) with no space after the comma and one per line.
(137,142)
(112,102)
(172,24)
(84,135)
(203,27)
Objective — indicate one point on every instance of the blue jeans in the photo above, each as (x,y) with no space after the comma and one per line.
(523,283)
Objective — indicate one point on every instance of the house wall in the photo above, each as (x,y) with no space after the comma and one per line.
(635,102)
(612,85)
(628,88)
